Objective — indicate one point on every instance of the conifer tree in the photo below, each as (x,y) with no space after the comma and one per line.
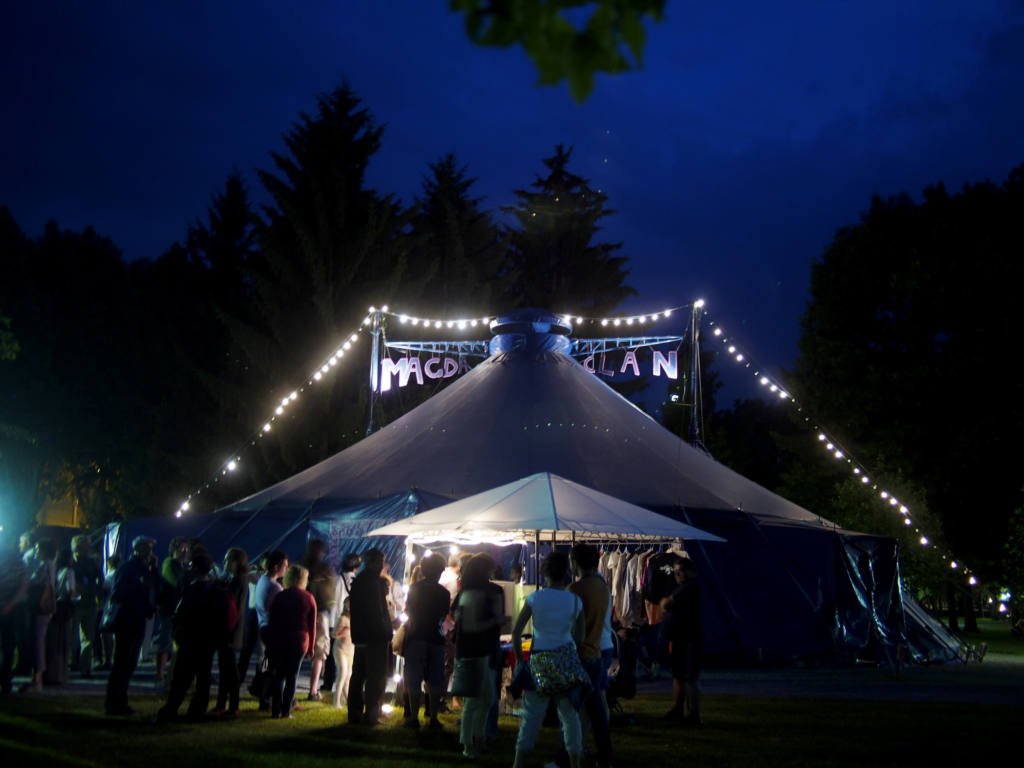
(553,261)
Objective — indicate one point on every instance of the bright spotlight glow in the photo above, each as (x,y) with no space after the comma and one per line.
(924,541)
(829,447)
(667,312)
(821,435)
(718,331)
(732,350)
(353,337)
(232,465)
(387,709)
(739,358)
(178,513)
(279,410)
(437,324)
(284,401)
(403,318)
(698,303)
(605,321)
(839,454)
(453,550)
(954,565)
(972,581)
(907,521)
(764,383)
(266,427)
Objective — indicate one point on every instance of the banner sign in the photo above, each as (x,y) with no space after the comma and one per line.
(406,368)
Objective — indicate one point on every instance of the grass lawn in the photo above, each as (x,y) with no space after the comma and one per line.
(55,730)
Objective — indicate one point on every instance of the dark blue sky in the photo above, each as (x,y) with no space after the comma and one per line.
(753,132)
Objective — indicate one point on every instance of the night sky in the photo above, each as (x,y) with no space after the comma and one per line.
(753,132)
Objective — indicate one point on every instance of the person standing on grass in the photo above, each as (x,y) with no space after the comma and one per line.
(479,612)
(682,610)
(557,621)
(426,605)
(236,583)
(205,615)
(322,584)
(13,586)
(290,637)
(58,633)
(267,588)
(89,582)
(133,596)
(172,580)
(591,589)
(371,635)
(43,602)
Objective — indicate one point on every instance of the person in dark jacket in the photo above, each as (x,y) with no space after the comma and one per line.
(682,613)
(290,637)
(427,606)
(236,581)
(205,616)
(133,597)
(371,635)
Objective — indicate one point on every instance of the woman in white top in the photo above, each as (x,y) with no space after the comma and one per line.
(557,620)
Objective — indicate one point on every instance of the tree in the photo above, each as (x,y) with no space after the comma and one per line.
(562,45)
(904,353)
(456,246)
(328,248)
(552,260)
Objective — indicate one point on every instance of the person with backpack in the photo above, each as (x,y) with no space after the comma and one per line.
(205,616)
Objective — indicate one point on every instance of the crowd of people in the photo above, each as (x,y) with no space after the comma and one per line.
(351,625)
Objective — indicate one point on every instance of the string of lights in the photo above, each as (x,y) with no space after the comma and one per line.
(231,465)
(741,356)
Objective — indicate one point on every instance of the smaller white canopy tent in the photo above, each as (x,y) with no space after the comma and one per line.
(543,504)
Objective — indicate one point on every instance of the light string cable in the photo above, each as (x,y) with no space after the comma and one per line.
(316,375)
(738,354)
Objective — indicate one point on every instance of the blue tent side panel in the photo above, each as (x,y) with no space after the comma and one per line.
(344,529)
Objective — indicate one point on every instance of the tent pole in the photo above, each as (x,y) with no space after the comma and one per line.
(536,558)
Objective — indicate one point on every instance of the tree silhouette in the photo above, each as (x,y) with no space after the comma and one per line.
(552,260)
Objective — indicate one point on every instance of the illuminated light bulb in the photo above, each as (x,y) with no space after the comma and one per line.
(324,369)
(462,325)
(473,323)
(371,309)
(617,321)
(773,388)
(839,454)
(387,709)
(332,362)
(884,494)
(907,521)
(903,510)
(893,502)
(184,506)
(829,447)
(764,383)
(266,427)
(415,321)
(1002,607)
(667,312)
(732,350)
(718,331)
(366,321)
(284,401)
(453,550)
(856,470)
(293,395)
(397,677)
(953,565)
(865,480)
(483,320)
(783,394)
(821,435)
(403,318)
(739,358)
(437,324)
(178,513)
(629,321)
(279,410)
(642,319)
(972,581)
(354,337)
(384,308)
(699,303)
(604,321)
(317,376)
(232,465)
(347,345)
(924,541)
(449,324)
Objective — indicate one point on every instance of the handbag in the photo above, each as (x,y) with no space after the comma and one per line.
(398,641)
(558,670)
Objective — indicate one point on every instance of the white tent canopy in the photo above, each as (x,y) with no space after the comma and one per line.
(540,503)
